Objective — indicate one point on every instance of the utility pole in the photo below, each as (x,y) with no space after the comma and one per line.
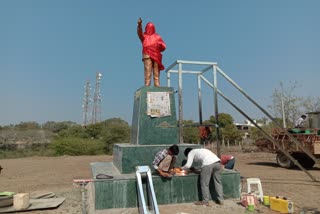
(86,102)
(96,109)
(282,107)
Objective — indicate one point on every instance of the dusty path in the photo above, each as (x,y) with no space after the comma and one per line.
(55,174)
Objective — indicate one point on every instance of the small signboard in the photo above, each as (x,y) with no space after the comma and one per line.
(158,104)
(316,146)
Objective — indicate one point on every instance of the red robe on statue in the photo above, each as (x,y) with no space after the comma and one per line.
(153,44)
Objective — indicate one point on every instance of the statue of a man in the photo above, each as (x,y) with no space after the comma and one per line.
(152,46)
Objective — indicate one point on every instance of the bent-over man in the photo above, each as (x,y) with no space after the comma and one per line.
(165,159)
(210,166)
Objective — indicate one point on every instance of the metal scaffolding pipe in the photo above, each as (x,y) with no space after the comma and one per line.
(171,66)
(180,105)
(264,133)
(196,62)
(185,72)
(269,137)
(215,82)
(214,86)
(269,115)
(168,79)
(199,99)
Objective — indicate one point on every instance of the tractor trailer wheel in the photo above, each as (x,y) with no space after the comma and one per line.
(284,161)
(304,160)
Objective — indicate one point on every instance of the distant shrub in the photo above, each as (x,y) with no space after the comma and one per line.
(10,151)
(77,146)
(27,125)
(12,136)
(57,127)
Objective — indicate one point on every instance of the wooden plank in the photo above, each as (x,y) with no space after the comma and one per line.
(316,146)
(37,204)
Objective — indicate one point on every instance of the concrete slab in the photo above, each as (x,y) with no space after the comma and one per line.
(37,204)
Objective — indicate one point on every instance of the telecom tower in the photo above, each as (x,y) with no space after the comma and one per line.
(96,108)
(86,102)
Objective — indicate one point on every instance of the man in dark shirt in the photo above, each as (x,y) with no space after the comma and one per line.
(165,159)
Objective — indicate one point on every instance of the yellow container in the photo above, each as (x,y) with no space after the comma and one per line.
(281,205)
(266,200)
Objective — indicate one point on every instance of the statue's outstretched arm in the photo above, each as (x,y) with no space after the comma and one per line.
(139,29)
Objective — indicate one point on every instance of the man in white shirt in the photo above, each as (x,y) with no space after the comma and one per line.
(300,122)
(210,165)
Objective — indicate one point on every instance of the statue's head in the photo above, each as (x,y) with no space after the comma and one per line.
(150,28)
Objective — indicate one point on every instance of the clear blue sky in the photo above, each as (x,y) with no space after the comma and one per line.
(48,49)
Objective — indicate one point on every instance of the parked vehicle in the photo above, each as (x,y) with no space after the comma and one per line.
(309,139)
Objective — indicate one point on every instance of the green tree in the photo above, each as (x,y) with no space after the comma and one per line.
(57,127)
(114,131)
(74,131)
(190,133)
(227,127)
(224,119)
(77,146)
(27,125)
(263,121)
(256,134)
(114,121)
(109,132)
(94,130)
(231,132)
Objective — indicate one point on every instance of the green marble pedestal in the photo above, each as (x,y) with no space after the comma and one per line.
(121,191)
(127,156)
(150,130)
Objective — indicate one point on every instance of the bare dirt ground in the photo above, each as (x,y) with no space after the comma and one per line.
(56,174)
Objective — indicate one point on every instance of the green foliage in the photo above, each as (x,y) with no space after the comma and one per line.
(15,143)
(114,121)
(74,131)
(57,127)
(231,132)
(224,120)
(27,125)
(190,133)
(94,130)
(263,121)
(115,131)
(12,136)
(227,128)
(39,149)
(109,132)
(77,146)
(7,127)
(63,138)
(256,134)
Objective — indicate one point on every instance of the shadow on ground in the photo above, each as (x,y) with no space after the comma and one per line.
(275,165)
